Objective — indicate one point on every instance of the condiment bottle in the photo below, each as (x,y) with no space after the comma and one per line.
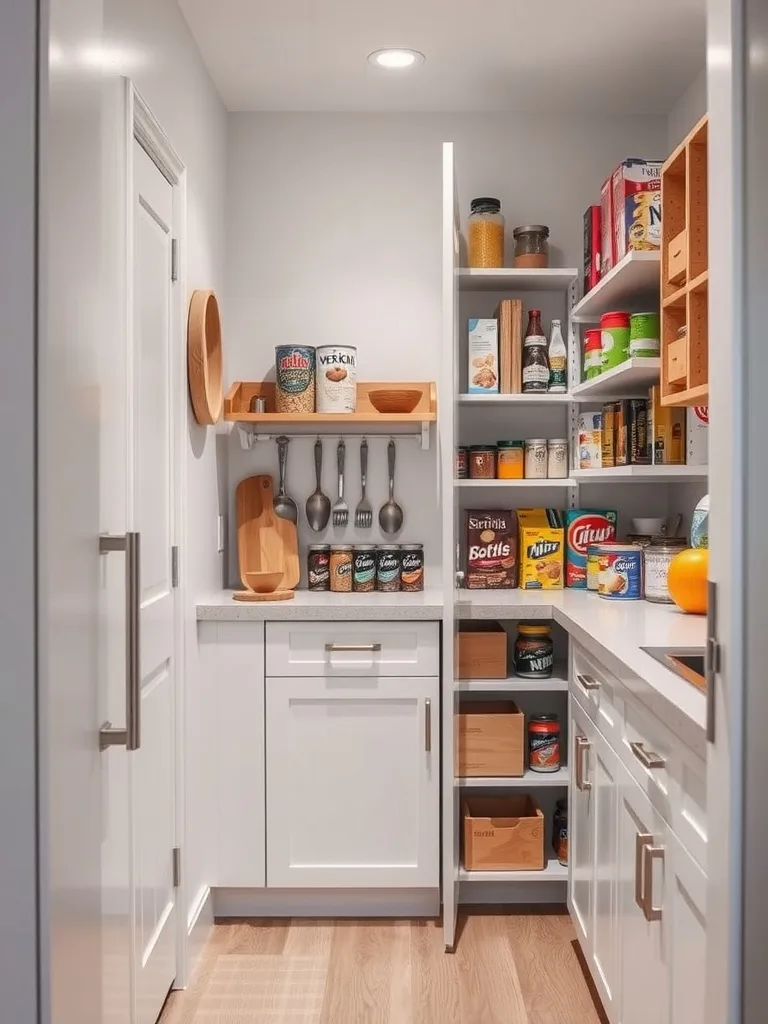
(558,361)
(535,361)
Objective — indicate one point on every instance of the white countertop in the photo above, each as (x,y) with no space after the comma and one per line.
(307,605)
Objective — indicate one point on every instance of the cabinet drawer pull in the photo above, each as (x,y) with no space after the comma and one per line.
(650,853)
(647,758)
(582,747)
(353,648)
(428,725)
(642,839)
(588,682)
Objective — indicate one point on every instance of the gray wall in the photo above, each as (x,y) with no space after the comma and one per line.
(690,108)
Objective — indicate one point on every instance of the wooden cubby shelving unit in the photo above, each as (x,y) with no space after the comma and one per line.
(685,273)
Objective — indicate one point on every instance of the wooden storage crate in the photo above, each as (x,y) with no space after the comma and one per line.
(684,273)
(482,651)
(502,833)
(490,740)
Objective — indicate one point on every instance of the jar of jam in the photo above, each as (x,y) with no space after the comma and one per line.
(485,234)
(482,462)
(535,358)
(544,743)
(388,565)
(534,656)
(560,831)
(509,460)
(341,568)
(412,567)
(319,567)
(462,463)
(364,568)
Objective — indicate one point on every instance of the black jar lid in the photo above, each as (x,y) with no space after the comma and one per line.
(485,204)
(544,718)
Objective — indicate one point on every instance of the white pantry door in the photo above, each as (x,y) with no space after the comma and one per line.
(151,409)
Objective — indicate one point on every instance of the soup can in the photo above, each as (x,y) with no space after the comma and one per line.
(336,378)
(621,572)
(294,378)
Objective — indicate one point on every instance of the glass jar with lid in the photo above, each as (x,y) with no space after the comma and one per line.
(485,234)
(531,245)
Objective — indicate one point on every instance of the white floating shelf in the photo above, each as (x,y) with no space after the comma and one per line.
(495,400)
(558,683)
(641,474)
(630,380)
(507,484)
(634,278)
(512,279)
(531,780)
(554,871)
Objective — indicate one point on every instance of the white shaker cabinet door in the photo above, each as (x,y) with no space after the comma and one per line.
(581,831)
(605,925)
(686,931)
(353,782)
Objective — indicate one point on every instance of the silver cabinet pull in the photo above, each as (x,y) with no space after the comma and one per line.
(582,747)
(588,682)
(354,648)
(649,854)
(647,758)
(642,839)
(428,725)
(130,736)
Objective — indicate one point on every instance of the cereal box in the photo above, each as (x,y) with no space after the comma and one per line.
(592,245)
(607,244)
(636,202)
(483,357)
(610,424)
(667,431)
(590,440)
(541,549)
(491,550)
(582,528)
(698,436)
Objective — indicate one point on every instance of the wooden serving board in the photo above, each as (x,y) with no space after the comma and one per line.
(265,543)
(250,595)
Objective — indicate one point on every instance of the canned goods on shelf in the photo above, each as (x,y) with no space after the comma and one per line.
(412,567)
(621,572)
(388,568)
(364,568)
(544,743)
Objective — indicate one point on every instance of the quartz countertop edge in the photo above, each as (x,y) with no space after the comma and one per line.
(313,606)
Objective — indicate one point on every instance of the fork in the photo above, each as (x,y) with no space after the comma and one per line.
(364,510)
(341,508)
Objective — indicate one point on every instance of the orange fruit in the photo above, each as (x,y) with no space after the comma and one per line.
(687,580)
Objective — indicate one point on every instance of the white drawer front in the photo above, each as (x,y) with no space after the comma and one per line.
(353,648)
(599,693)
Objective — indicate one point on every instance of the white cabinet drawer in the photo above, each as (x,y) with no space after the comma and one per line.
(353,648)
(598,692)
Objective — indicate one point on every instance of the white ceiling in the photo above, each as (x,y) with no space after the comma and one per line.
(622,56)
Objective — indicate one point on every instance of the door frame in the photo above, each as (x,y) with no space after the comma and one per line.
(140,125)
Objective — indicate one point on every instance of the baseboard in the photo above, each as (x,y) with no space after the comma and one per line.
(199,925)
(507,893)
(326,903)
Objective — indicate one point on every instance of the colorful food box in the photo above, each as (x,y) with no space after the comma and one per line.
(698,436)
(541,549)
(582,528)
(590,440)
(491,550)
(607,244)
(636,206)
(592,245)
(667,431)
(483,356)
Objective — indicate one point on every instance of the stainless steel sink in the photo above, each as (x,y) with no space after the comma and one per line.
(686,662)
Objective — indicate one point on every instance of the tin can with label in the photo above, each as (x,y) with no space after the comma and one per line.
(621,572)
(412,567)
(364,568)
(319,567)
(294,378)
(388,568)
(544,743)
(336,378)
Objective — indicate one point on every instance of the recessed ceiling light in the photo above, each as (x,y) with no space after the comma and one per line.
(396,59)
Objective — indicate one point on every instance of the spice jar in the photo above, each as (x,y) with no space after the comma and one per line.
(557,458)
(319,567)
(534,651)
(388,565)
(593,354)
(485,234)
(531,245)
(544,743)
(560,831)
(412,567)
(482,462)
(462,463)
(536,459)
(535,358)
(657,557)
(341,568)
(509,460)
(364,568)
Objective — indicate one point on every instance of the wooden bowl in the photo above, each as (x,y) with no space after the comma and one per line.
(404,400)
(204,362)
(262,582)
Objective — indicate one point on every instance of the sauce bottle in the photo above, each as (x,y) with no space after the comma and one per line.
(535,361)
(558,361)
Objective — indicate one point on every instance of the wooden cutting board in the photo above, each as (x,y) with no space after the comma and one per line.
(265,543)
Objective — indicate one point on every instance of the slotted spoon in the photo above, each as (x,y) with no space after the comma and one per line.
(364,510)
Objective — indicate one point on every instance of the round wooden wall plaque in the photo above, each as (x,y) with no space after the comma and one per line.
(204,364)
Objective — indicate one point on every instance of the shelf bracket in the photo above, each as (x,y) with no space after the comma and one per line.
(425,435)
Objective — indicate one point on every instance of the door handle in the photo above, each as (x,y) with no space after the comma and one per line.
(353,648)
(130,736)
(649,854)
(642,839)
(588,682)
(428,725)
(647,758)
(582,746)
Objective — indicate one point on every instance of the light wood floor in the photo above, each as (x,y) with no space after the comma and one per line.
(518,968)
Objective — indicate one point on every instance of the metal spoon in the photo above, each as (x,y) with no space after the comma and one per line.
(318,504)
(284,506)
(390,513)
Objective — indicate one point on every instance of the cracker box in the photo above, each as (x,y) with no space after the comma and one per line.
(636,206)
(541,549)
(667,431)
(582,528)
(590,440)
(491,550)
(607,245)
(697,447)
(483,356)
(592,244)
(610,423)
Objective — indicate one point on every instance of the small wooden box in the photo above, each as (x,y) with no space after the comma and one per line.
(490,739)
(502,833)
(677,361)
(677,258)
(482,651)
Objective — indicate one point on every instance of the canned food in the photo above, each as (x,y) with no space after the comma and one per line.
(364,568)
(341,568)
(294,378)
(482,462)
(319,567)
(621,572)
(534,651)
(593,564)
(462,463)
(560,831)
(544,743)
(412,567)
(388,565)
(336,378)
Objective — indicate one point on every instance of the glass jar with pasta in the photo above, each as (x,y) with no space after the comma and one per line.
(485,234)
